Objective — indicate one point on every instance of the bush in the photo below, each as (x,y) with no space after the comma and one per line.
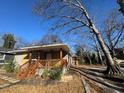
(45,73)
(16,69)
(55,73)
(9,65)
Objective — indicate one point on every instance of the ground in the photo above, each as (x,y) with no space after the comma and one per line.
(44,86)
(39,85)
(2,81)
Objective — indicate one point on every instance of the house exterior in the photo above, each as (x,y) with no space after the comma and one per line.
(46,54)
(75,61)
(119,53)
(4,56)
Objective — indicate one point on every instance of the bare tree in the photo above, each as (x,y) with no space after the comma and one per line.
(20,42)
(114,31)
(98,50)
(49,39)
(85,53)
(73,15)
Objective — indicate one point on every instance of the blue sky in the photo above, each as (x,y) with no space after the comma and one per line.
(17,18)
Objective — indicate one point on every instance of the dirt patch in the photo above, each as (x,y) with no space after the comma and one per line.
(46,86)
(92,65)
(95,88)
(3,81)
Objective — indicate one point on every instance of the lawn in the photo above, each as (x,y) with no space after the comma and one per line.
(42,86)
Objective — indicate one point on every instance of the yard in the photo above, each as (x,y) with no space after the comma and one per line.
(2,81)
(37,85)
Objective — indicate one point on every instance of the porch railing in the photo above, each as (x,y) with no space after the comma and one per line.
(50,62)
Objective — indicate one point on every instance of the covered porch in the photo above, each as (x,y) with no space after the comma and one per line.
(48,56)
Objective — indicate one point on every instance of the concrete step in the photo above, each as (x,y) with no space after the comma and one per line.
(9,79)
(5,85)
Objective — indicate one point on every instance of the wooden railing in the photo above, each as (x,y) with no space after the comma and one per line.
(29,68)
(50,62)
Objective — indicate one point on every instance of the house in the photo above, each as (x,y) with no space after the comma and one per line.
(75,61)
(44,56)
(119,53)
(4,56)
(47,54)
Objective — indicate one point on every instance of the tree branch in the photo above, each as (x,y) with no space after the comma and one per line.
(76,19)
(118,38)
(74,29)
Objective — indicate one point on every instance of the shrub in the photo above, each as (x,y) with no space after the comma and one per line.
(55,73)
(9,65)
(16,69)
(45,73)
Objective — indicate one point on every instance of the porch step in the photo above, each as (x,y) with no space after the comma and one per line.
(11,81)
(5,85)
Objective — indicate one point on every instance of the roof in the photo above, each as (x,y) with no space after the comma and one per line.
(74,55)
(42,47)
(119,49)
(4,49)
(17,51)
(5,52)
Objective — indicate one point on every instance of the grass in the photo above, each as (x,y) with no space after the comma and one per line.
(40,86)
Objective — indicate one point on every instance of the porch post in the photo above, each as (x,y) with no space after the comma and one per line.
(30,56)
(61,55)
(38,56)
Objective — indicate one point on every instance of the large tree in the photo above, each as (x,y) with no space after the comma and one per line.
(73,15)
(9,41)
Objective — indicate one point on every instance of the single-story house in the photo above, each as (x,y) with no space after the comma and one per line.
(119,53)
(46,54)
(4,57)
(43,56)
(75,60)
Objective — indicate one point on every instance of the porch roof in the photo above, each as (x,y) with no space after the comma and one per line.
(48,47)
(43,47)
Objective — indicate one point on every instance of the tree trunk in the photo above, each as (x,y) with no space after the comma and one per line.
(111,47)
(90,62)
(113,52)
(100,60)
(112,67)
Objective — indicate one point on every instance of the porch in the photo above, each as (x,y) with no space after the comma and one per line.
(47,58)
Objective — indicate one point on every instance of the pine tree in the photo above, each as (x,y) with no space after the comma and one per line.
(9,41)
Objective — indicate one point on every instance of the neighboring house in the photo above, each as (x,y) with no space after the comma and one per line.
(75,60)
(4,55)
(119,53)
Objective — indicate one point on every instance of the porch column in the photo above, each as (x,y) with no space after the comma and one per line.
(38,58)
(30,56)
(61,55)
